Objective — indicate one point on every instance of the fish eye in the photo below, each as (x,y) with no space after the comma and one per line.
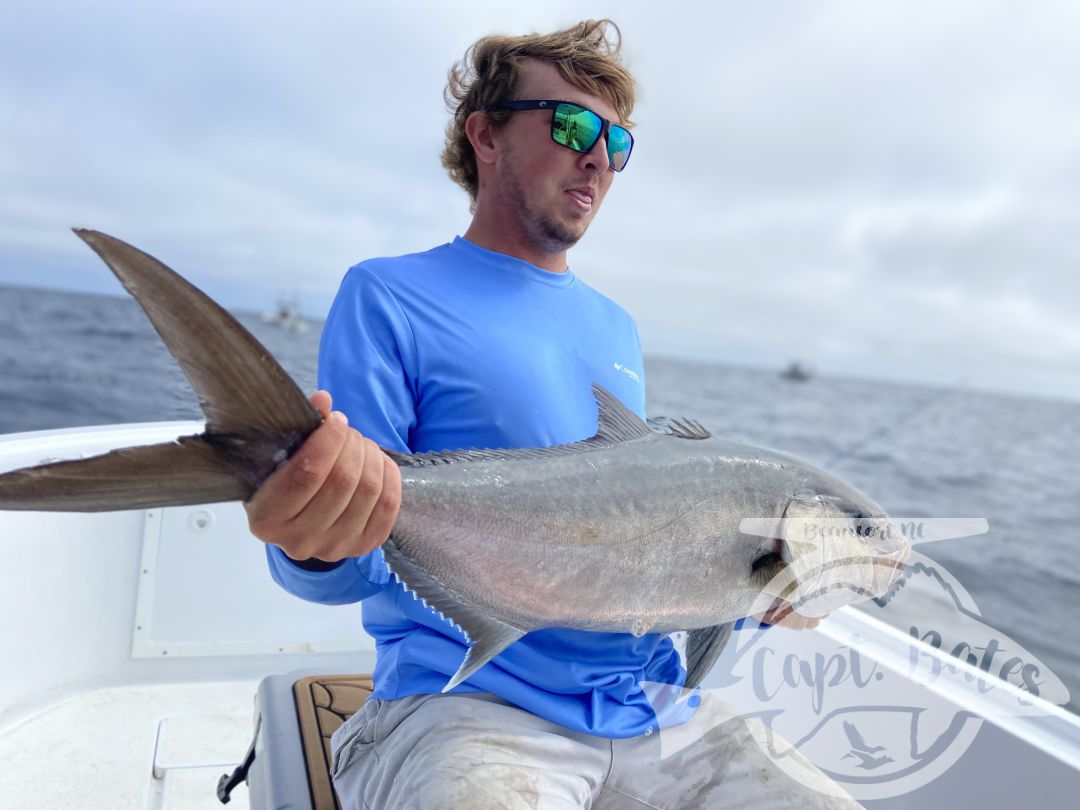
(864,525)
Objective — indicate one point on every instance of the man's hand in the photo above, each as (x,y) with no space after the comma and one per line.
(336,497)
(781,613)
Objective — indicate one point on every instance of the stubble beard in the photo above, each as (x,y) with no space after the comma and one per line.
(545,231)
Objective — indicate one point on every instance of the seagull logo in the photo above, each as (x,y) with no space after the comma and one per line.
(864,752)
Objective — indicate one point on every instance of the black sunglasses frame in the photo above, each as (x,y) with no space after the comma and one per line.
(552,104)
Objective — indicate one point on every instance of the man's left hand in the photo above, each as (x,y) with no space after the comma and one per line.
(781,613)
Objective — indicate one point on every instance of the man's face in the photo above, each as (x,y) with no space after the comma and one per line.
(552,191)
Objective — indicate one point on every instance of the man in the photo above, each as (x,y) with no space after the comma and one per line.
(491,341)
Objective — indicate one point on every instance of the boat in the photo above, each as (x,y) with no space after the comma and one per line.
(287,315)
(142,649)
(796,372)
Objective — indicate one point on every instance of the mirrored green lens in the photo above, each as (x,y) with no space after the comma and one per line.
(575,127)
(619,144)
(579,128)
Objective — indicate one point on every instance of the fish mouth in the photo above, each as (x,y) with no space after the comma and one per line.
(837,566)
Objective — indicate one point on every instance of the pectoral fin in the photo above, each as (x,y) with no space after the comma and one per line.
(703,647)
(489,638)
(487,635)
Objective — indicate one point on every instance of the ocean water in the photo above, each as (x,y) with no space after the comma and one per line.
(70,359)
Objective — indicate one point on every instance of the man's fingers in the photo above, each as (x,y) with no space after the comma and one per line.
(338,496)
(778,613)
(783,614)
(349,531)
(334,497)
(787,617)
(322,402)
(780,617)
(288,490)
(381,520)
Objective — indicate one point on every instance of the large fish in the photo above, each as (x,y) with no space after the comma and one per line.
(637,529)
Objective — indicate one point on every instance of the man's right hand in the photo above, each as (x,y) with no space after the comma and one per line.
(336,497)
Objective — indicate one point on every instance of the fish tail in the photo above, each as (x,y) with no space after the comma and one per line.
(255,414)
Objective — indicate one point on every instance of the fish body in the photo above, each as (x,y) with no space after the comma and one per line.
(637,529)
(592,538)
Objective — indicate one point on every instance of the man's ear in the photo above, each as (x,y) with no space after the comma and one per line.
(479,129)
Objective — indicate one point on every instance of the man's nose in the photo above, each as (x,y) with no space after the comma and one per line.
(596,159)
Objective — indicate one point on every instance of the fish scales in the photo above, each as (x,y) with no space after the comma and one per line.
(589,539)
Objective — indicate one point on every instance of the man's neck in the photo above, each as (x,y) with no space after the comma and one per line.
(504,237)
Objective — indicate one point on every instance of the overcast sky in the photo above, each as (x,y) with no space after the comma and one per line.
(889,189)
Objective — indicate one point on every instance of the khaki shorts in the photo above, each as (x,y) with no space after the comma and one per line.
(477,751)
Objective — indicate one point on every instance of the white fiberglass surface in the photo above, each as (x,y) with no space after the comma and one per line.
(160,746)
(146,596)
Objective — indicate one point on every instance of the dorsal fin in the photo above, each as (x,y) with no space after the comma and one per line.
(703,647)
(679,427)
(616,424)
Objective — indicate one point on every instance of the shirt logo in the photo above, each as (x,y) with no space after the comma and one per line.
(629,372)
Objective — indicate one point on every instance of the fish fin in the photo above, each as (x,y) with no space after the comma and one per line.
(186,471)
(703,647)
(487,636)
(488,641)
(241,388)
(679,427)
(616,424)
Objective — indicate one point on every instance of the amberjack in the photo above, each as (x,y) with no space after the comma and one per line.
(637,529)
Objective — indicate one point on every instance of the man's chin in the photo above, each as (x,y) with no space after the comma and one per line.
(563,235)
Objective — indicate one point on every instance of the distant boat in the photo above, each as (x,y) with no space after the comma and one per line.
(287,315)
(796,372)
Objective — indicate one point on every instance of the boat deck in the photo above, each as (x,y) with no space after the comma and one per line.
(150,746)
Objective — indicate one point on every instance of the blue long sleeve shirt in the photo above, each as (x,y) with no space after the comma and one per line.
(461,347)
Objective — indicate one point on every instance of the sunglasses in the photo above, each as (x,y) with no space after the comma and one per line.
(579,128)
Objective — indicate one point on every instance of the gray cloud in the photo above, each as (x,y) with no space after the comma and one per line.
(887,189)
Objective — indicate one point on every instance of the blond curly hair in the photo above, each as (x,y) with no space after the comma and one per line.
(490,72)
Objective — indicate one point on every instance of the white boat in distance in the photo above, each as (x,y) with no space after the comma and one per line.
(287,315)
(134,644)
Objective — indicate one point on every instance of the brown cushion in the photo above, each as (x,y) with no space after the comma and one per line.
(323,703)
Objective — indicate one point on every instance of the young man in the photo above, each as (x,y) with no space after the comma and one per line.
(491,341)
